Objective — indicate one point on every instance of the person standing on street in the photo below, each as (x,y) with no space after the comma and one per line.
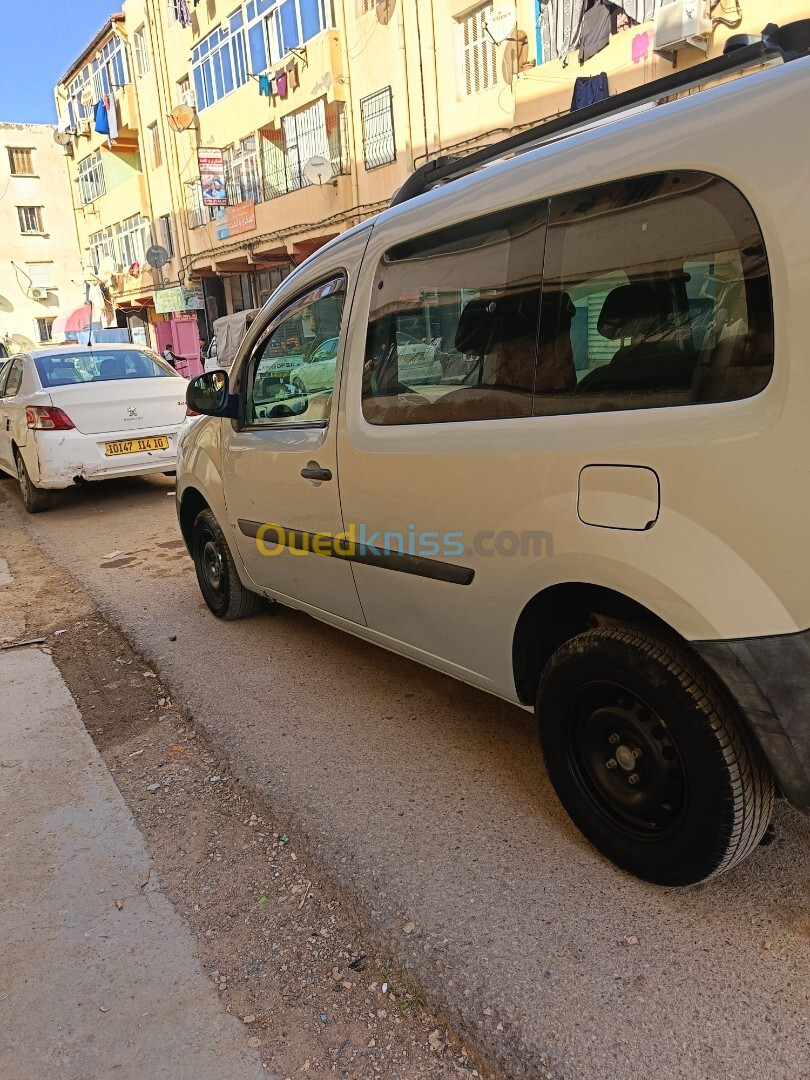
(170,356)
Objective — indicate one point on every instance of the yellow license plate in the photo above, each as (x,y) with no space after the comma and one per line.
(136,446)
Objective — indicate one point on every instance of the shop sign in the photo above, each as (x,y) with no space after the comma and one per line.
(179,298)
(212,177)
(238,219)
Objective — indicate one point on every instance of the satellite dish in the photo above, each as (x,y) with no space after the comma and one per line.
(500,23)
(318,170)
(157,256)
(181,118)
(61,137)
(87,97)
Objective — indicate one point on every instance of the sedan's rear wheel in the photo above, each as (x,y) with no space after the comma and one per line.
(35,499)
(218,579)
(650,758)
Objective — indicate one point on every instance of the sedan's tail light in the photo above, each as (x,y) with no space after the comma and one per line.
(41,419)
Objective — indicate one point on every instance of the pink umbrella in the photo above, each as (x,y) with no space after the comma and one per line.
(74,320)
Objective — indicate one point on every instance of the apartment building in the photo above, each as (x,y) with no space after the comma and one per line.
(41,279)
(319,110)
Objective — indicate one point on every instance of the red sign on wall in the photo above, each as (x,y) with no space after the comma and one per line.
(241,218)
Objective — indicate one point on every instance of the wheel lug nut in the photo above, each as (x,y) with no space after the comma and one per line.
(611,763)
(632,778)
(613,739)
(636,753)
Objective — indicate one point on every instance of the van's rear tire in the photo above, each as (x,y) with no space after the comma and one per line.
(649,758)
(217,576)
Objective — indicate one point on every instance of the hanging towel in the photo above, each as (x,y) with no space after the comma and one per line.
(292,72)
(595,31)
(281,83)
(264,85)
(112,118)
(588,89)
(102,124)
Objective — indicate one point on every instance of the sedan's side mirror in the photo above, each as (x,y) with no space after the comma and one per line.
(209,395)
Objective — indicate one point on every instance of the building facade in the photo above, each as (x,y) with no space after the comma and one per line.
(320,109)
(41,277)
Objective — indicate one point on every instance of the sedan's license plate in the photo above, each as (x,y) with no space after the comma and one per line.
(136,446)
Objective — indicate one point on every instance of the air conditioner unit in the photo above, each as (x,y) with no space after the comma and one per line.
(84,126)
(189,99)
(684,23)
(39,294)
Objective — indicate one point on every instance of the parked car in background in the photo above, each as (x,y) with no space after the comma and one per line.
(74,413)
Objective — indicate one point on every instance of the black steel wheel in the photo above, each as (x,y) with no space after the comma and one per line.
(217,576)
(650,758)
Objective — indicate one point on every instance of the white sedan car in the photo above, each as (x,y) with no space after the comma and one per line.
(87,412)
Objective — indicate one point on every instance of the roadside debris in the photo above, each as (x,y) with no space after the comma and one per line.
(19,644)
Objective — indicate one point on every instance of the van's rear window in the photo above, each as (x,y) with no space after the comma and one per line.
(98,365)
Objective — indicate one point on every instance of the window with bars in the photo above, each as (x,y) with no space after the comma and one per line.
(40,274)
(478,53)
(154,143)
(243,173)
(132,239)
(91,178)
(45,329)
(195,210)
(102,248)
(30,219)
(377,117)
(122,244)
(141,51)
(21,161)
(316,130)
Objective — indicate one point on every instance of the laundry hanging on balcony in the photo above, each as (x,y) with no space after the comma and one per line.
(588,89)
(561,21)
(102,122)
(264,85)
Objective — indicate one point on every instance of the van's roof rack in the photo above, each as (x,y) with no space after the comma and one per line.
(776,43)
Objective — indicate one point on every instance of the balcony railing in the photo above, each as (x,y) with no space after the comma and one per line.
(317,130)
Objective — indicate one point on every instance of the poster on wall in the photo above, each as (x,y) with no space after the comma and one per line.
(212,177)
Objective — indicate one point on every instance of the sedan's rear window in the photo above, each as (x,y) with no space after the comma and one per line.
(96,365)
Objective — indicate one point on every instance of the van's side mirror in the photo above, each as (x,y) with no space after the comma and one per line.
(209,395)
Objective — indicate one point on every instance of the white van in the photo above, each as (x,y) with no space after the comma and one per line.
(591,500)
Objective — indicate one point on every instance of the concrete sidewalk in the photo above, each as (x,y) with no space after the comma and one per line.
(87,988)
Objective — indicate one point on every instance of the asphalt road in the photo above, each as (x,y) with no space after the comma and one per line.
(428,801)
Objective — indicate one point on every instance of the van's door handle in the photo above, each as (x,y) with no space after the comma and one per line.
(313,471)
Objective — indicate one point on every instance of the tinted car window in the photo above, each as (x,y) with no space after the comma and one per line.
(96,365)
(655,292)
(453,327)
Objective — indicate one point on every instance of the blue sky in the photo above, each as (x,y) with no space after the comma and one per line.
(41,39)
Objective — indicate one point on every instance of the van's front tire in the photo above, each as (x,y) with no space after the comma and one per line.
(649,758)
(217,576)
(35,500)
